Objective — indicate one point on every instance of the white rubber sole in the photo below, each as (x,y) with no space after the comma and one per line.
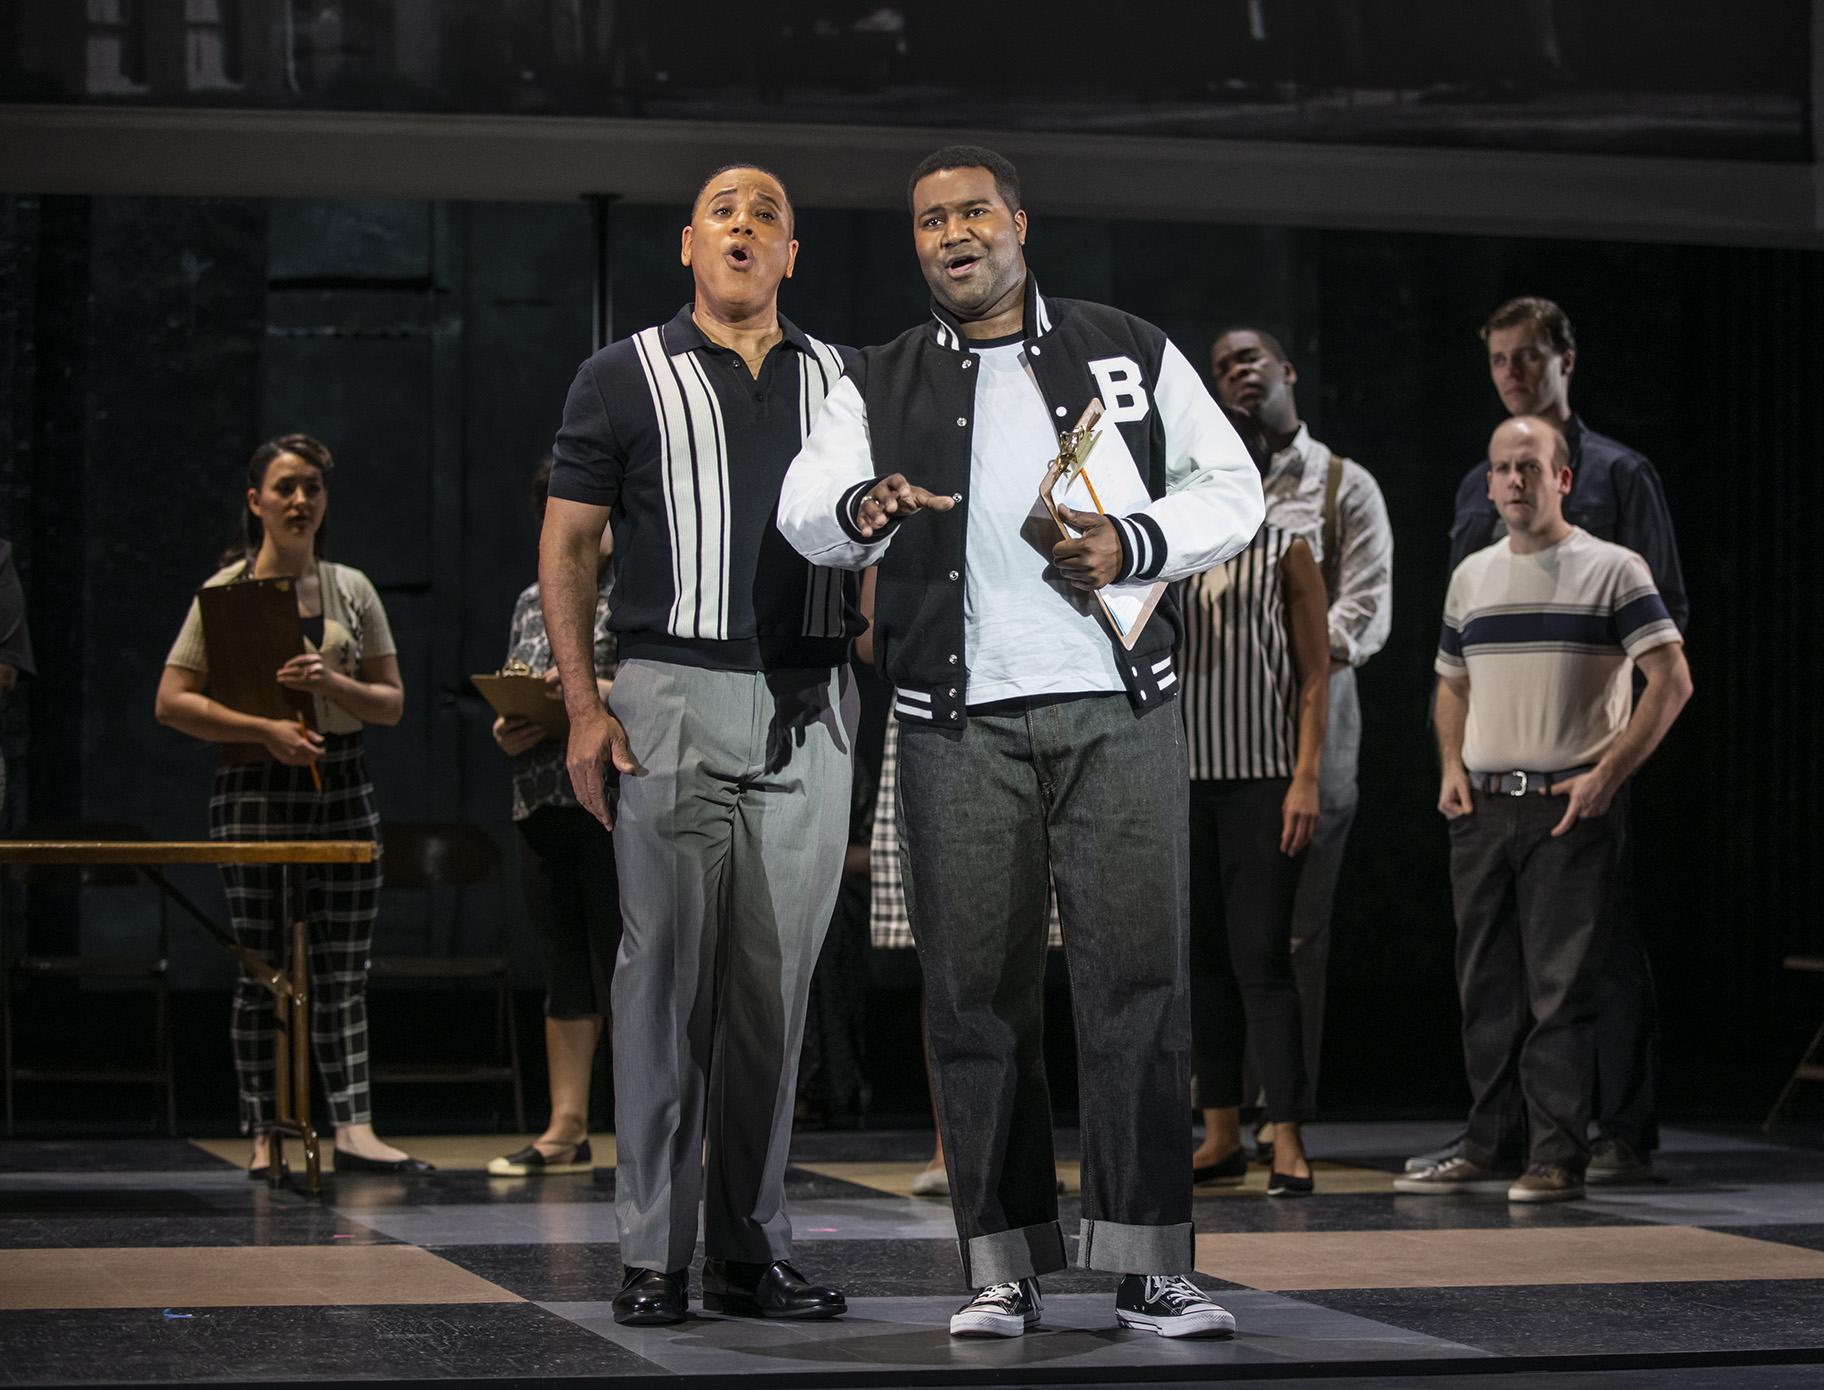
(1496,1187)
(967,1324)
(1215,1323)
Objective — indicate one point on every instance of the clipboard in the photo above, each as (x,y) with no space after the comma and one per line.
(1127,606)
(250,629)
(516,693)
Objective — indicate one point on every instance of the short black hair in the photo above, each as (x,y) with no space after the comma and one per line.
(1268,340)
(1006,177)
(716,173)
(1539,311)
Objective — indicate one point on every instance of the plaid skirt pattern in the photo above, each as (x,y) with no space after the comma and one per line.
(269,801)
(889,925)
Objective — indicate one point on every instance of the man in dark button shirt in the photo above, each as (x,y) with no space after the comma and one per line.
(733,719)
(1616,495)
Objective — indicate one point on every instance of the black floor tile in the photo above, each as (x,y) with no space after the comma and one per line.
(897,1145)
(1769,1165)
(1601,1319)
(105,1156)
(1811,1237)
(1383,1212)
(45,1202)
(312,1225)
(333,1345)
(554,1273)
(860,1268)
(464,1189)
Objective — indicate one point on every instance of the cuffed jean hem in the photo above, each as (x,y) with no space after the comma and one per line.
(1118,1248)
(1001,1257)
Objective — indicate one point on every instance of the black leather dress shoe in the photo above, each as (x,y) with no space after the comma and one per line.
(354,1163)
(649,1297)
(767,1291)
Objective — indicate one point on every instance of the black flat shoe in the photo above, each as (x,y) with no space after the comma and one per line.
(767,1291)
(1227,1171)
(1285,1185)
(264,1171)
(650,1298)
(532,1161)
(354,1163)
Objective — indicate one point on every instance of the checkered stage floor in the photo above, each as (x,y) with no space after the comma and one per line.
(158,1262)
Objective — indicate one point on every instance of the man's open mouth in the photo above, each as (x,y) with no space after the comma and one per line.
(739,257)
(959,266)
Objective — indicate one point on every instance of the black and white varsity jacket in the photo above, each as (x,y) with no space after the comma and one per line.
(908,407)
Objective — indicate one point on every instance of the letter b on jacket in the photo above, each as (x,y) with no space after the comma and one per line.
(1123,397)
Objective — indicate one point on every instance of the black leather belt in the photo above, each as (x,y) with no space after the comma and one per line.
(1523,783)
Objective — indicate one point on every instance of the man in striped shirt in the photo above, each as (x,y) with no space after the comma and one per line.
(1538,734)
(734,718)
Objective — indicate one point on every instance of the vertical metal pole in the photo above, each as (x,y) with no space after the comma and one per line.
(601,289)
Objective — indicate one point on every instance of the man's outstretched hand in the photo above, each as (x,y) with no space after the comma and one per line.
(894,497)
(1093,559)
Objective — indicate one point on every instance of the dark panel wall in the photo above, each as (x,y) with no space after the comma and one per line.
(154,341)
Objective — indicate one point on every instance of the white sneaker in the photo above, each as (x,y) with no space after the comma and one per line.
(931,1182)
(1000,1310)
(1170,1305)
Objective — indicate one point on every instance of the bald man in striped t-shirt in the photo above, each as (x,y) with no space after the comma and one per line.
(1539,736)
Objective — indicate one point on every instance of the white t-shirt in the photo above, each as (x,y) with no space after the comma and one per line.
(1028,633)
(1548,641)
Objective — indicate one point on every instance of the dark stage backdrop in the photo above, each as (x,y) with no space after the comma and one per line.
(146,344)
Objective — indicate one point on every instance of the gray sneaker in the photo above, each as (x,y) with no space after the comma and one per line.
(1454,1177)
(1616,1161)
(1418,1163)
(1546,1182)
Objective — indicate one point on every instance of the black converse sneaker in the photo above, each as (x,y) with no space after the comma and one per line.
(1000,1310)
(1170,1305)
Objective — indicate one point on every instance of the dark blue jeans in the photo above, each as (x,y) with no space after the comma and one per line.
(1085,792)
(1535,930)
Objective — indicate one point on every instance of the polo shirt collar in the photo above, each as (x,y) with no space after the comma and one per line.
(682,334)
(947,329)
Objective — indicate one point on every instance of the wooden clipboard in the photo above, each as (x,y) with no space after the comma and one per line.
(1127,607)
(250,629)
(515,695)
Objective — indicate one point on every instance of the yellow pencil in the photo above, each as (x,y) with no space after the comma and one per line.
(315,777)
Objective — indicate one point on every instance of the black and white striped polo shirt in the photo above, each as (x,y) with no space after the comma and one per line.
(689,449)
(1240,695)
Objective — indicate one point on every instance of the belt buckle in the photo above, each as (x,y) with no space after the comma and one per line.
(1521,789)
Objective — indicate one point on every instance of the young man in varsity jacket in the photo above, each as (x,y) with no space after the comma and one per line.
(733,718)
(1032,744)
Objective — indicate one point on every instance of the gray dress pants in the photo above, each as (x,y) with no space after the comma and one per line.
(729,845)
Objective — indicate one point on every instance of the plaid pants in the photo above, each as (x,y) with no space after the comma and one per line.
(269,801)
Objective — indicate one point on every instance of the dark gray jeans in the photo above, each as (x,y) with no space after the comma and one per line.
(1535,928)
(1095,797)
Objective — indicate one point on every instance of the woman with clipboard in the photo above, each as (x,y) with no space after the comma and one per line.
(297,779)
(573,897)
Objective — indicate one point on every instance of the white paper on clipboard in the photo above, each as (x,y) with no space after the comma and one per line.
(1109,482)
